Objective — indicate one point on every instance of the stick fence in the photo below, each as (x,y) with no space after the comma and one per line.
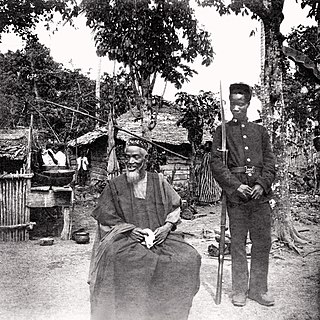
(14,214)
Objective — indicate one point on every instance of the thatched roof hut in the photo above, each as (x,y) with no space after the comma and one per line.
(13,149)
(166,133)
(95,146)
(89,137)
(13,143)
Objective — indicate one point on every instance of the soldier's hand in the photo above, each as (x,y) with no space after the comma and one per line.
(257,191)
(245,190)
(137,234)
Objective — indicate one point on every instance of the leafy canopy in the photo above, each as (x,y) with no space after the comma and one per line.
(301,91)
(22,16)
(200,112)
(149,37)
(26,74)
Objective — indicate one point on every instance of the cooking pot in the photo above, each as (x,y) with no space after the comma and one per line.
(82,237)
(59,177)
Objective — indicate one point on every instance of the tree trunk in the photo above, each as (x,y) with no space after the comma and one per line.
(318,37)
(273,115)
(143,86)
(144,114)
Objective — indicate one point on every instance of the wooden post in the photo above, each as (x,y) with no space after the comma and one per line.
(67,224)
(98,103)
(10,210)
(2,208)
(29,147)
(20,207)
(27,188)
(26,211)
(14,207)
(6,208)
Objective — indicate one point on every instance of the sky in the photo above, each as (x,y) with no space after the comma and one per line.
(237,55)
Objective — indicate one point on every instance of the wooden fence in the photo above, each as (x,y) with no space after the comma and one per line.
(14,213)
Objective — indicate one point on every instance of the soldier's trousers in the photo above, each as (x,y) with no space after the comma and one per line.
(255,218)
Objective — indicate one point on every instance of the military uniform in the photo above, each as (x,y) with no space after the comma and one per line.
(250,161)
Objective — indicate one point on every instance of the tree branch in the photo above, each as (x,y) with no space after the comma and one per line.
(257,7)
(153,82)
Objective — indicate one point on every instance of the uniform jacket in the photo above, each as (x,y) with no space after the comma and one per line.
(248,145)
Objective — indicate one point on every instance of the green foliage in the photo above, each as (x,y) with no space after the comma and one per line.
(31,73)
(22,16)
(200,112)
(304,39)
(301,92)
(117,94)
(149,37)
(314,8)
(243,7)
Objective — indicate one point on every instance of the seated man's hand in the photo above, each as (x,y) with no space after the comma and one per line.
(257,191)
(161,233)
(245,190)
(103,230)
(137,234)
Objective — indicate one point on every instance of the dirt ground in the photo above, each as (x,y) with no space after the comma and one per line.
(49,282)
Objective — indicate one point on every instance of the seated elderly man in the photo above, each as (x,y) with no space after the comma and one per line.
(134,275)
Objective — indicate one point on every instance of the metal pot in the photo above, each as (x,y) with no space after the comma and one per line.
(59,177)
(82,237)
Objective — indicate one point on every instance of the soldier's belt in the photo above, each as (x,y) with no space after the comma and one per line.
(245,169)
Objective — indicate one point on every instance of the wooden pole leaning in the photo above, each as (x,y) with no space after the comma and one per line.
(117,127)
(223,218)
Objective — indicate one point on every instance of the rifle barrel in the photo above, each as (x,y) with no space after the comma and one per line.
(221,248)
(223,205)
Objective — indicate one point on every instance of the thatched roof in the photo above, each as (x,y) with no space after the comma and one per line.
(89,137)
(13,143)
(166,130)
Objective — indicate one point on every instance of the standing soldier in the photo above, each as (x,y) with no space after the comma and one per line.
(247,180)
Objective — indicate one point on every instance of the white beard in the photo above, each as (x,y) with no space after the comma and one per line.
(133,176)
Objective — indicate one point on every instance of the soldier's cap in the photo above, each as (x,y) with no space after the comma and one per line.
(136,142)
(241,88)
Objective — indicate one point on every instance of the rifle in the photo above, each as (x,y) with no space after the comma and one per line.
(223,205)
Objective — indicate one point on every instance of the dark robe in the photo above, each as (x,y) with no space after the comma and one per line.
(129,281)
